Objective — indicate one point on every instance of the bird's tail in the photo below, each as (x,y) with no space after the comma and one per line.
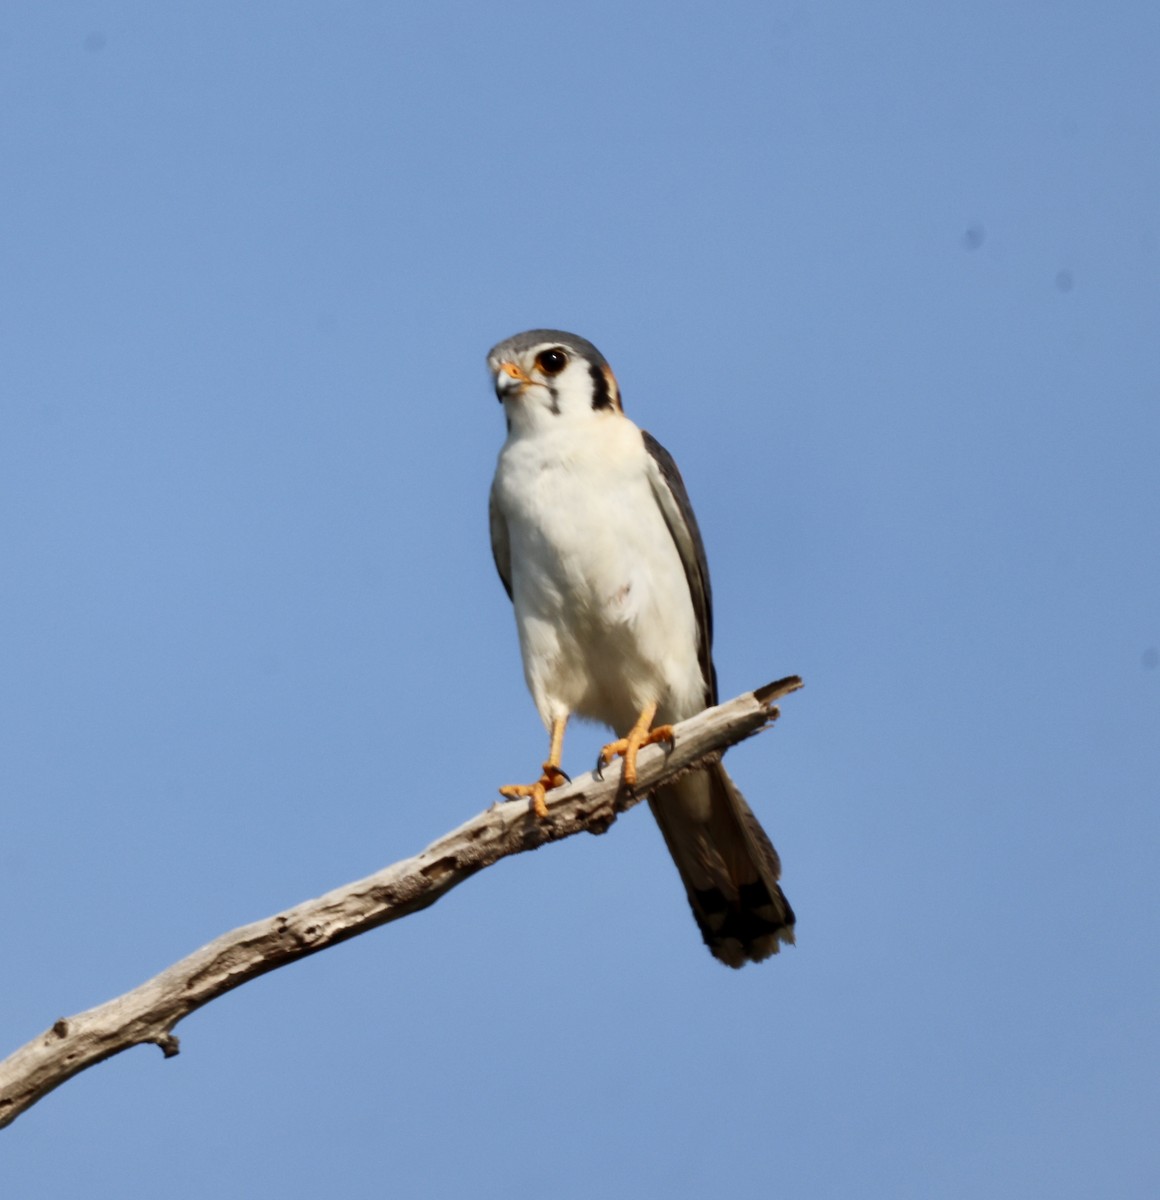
(727,864)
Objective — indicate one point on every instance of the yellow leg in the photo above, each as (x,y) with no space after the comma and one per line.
(556,745)
(639,735)
(552,777)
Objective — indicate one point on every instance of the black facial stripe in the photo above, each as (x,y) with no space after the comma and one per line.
(555,400)
(601,394)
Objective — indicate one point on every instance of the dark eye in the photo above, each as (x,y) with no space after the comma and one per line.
(551,362)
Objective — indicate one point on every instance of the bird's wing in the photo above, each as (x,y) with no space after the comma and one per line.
(669,489)
(501,548)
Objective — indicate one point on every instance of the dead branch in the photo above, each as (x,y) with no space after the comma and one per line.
(150,1012)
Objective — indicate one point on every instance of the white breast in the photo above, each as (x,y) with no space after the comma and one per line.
(605,619)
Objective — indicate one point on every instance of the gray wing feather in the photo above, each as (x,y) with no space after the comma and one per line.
(501,549)
(669,489)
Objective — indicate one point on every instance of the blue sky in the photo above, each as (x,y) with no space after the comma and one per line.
(884,279)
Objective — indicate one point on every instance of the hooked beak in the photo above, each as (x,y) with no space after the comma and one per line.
(510,378)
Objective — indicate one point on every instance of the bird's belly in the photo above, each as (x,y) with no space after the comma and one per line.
(605,617)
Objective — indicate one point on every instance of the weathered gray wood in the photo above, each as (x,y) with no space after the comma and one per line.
(150,1012)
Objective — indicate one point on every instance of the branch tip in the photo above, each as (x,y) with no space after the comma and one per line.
(765,696)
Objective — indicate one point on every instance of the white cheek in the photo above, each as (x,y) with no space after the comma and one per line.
(574,388)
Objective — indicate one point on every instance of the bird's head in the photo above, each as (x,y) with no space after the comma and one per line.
(546,376)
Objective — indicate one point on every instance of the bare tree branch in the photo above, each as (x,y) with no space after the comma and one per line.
(149,1013)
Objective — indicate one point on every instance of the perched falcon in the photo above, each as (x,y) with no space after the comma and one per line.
(598,548)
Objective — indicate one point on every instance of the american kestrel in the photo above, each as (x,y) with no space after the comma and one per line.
(596,543)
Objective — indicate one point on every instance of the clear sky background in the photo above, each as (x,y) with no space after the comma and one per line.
(884,279)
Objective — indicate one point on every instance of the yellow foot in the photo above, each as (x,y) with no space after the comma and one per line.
(552,777)
(638,736)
